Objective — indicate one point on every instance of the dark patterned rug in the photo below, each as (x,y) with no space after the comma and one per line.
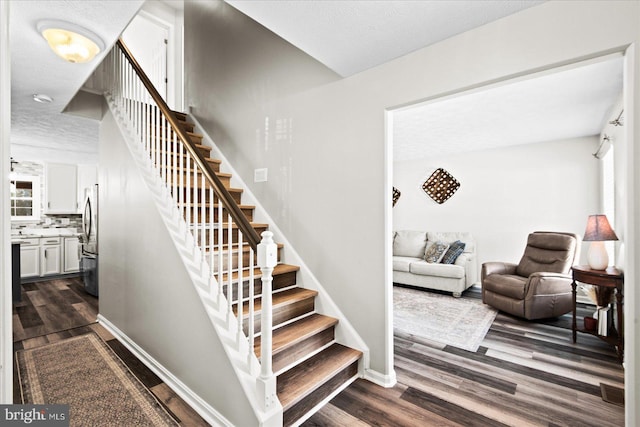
(84,373)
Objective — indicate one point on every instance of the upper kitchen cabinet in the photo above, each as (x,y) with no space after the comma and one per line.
(25,198)
(87,178)
(61,182)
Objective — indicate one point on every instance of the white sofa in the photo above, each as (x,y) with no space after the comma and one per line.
(410,267)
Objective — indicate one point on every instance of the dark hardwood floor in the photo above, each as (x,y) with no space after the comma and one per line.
(55,310)
(524,374)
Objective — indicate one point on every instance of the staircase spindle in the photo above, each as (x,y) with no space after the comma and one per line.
(203,219)
(229,265)
(212,232)
(187,189)
(240,286)
(219,249)
(174,167)
(251,325)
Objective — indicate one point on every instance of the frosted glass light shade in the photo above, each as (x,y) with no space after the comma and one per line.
(597,256)
(71,42)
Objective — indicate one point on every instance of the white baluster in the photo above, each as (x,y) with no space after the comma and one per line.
(219,252)
(196,200)
(203,218)
(187,187)
(174,166)
(229,267)
(251,326)
(182,192)
(240,286)
(212,232)
(267,260)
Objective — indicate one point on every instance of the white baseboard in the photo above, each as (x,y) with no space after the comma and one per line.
(383,380)
(203,409)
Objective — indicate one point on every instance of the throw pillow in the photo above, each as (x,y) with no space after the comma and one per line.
(435,252)
(454,251)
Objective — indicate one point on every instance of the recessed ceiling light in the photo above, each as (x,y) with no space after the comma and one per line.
(42,98)
(70,42)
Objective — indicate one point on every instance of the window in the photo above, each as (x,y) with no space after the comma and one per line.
(25,198)
(608,198)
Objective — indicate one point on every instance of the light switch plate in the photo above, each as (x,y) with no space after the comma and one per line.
(260,175)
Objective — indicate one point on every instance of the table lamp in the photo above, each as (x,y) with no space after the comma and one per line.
(598,231)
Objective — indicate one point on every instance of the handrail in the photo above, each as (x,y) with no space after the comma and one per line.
(227,200)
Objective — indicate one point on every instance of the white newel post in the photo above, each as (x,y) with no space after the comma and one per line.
(267,259)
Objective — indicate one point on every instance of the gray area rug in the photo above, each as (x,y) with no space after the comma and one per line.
(459,322)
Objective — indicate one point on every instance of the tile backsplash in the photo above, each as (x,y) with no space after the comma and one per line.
(46,221)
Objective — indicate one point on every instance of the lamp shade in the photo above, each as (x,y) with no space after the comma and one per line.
(599,229)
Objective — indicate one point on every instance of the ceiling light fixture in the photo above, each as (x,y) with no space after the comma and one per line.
(42,98)
(70,42)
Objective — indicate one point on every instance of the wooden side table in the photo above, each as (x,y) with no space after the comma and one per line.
(611,278)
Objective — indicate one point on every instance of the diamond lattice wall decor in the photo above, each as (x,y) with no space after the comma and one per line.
(396,195)
(440,186)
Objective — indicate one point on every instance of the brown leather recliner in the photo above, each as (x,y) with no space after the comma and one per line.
(540,285)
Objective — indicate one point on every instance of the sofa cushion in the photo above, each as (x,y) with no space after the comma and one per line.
(424,268)
(410,243)
(402,263)
(454,251)
(435,251)
(509,285)
(452,236)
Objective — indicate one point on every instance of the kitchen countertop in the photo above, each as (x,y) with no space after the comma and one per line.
(34,233)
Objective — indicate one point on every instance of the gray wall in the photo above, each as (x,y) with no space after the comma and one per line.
(145,290)
(325,144)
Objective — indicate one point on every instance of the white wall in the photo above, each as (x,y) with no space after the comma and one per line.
(504,194)
(326,142)
(145,290)
(6,339)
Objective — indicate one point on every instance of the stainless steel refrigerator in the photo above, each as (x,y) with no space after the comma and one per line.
(89,247)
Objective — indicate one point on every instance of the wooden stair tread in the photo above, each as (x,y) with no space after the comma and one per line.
(207,206)
(234,225)
(184,170)
(180,115)
(299,381)
(277,270)
(245,248)
(229,189)
(281,298)
(297,331)
(199,172)
(174,154)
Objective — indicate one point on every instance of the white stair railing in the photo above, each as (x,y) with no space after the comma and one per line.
(213,226)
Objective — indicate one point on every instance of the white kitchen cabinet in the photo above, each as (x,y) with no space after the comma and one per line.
(30,258)
(50,256)
(87,178)
(61,188)
(71,259)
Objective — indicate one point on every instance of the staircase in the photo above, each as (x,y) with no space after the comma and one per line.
(218,239)
(307,361)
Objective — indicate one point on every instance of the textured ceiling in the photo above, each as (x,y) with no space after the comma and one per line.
(558,105)
(348,36)
(40,131)
(352,36)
